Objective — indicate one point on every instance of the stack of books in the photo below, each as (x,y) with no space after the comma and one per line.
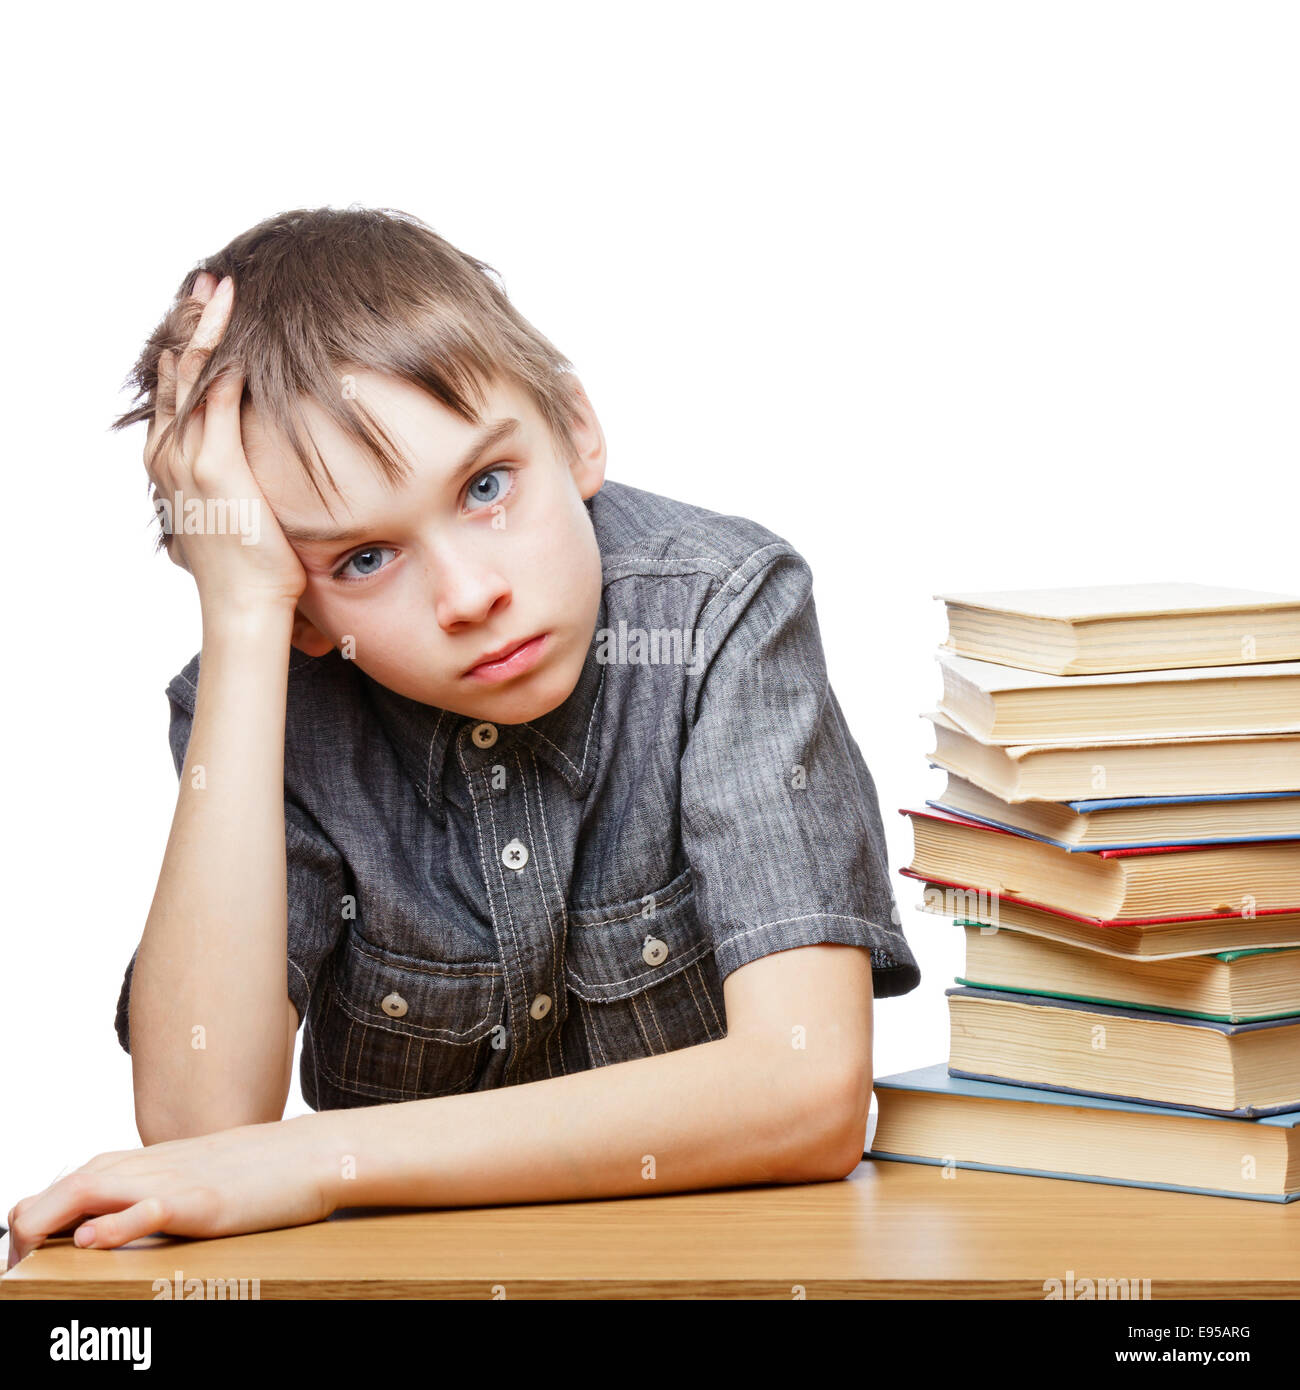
(1119,840)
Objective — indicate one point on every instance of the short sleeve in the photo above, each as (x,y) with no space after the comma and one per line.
(780,820)
(315,876)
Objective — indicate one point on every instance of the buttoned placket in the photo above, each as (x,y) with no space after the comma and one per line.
(524,899)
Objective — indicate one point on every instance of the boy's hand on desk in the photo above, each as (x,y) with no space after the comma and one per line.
(250,1178)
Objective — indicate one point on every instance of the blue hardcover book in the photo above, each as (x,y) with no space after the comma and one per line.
(1123,1012)
(1087,808)
(1184,1133)
(1116,803)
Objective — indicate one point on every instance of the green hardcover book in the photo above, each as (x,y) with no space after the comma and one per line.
(1227,986)
(1242,1069)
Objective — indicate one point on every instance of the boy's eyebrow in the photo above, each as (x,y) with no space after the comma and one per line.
(488,440)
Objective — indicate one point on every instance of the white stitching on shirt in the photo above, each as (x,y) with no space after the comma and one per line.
(433,741)
(427,967)
(528,820)
(591,724)
(699,972)
(377,1091)
(695,999)
(306,1045)
(593,1034)
(807,917)
(700,949)
(478,826)
(559,893)
(704,985)
(420,1030)
(616,567)
(702,625)
(305,981)
(496,858)
(650,1007)
(560,988)
(660,904)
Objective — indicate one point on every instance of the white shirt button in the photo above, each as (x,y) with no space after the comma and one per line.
(394,1006)
(654,952)
(515,855)
(541,1006)
(484,735)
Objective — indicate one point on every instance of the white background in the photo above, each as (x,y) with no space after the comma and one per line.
(975,295)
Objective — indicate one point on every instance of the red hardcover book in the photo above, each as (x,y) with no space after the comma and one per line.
(1165,883)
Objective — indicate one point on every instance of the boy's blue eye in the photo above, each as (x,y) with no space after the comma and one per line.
(486,489)
(364,561)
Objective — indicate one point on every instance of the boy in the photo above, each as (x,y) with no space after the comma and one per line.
(584,873)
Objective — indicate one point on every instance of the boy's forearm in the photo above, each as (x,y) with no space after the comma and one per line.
(208,995)
(719,1114)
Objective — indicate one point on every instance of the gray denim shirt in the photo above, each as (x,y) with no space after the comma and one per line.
(475,905)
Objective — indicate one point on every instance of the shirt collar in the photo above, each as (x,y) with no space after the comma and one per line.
(567,737)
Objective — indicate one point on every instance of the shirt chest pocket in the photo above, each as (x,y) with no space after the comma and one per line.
(641,977)
(404,1029)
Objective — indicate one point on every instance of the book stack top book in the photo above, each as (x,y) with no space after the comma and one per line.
(1123,627)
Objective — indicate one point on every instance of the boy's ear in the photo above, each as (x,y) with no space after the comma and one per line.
(307,638)
(588,465)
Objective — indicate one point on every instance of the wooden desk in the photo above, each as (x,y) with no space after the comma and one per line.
(892,1230)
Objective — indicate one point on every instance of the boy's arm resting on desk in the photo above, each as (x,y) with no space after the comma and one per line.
(782,1098)
(749,1108)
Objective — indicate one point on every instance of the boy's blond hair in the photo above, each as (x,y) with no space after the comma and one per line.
(322,292)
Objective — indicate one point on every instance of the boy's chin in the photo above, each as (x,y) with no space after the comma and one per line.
(516,702)
(528,696)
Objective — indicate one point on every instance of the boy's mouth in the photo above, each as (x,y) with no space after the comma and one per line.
(508,661)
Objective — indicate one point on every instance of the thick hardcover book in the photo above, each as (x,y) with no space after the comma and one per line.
(1245,1112)
(1099,1112)
(1068,771)
(1109,884)
(1003,705)
(1227,986)
(1123,627)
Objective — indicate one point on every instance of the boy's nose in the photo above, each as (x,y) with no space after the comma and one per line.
(468,594)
